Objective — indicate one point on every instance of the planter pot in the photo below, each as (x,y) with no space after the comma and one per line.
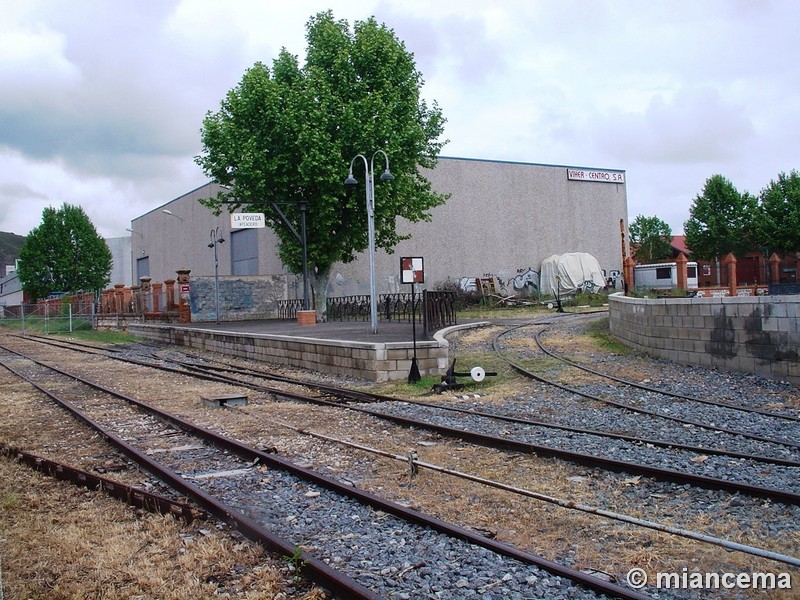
(306,317)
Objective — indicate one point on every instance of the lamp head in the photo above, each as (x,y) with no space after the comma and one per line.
(351,181)
(386,175)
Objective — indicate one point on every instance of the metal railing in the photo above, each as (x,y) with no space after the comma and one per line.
(287,309)
(434,309)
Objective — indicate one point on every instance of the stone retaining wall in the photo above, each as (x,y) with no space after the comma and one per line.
(748,334)
(377,362)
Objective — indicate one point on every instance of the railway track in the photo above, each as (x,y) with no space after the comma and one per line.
(334,397)
(236,483)
(776,475)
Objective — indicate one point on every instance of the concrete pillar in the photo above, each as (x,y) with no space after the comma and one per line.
(681,266)
(730,261)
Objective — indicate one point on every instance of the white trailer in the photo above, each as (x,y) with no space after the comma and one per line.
(663,276)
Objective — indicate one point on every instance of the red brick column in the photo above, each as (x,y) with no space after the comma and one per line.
(681,266)
(730,261)
(184,308)
(628,273)
(119,298)
(774,268)
(156,295)
(169,284)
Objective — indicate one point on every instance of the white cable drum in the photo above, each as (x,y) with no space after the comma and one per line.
(477,374)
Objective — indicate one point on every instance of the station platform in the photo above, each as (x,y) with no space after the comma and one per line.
(357,331)
(347,348)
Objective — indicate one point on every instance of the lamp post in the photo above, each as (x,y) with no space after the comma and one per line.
(216,239)
(350,182)
(172,214)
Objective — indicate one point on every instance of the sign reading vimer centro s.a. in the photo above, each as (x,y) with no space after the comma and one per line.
(247,220)
(594,175)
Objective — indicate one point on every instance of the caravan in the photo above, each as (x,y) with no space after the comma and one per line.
(663,276)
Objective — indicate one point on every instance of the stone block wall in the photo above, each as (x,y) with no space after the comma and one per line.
(240,298)
(748,334)
(377,362)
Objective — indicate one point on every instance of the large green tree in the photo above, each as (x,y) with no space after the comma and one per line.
(651,237)
(287,135)
(63,254)
(778,222)
(721,220)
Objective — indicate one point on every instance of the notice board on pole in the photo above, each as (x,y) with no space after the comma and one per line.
(412,269)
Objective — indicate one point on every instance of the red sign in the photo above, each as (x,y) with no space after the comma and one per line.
(412,269)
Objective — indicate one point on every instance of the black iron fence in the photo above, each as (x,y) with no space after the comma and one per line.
(434,309)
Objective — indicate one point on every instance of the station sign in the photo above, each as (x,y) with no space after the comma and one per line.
(247,221)
(596,175)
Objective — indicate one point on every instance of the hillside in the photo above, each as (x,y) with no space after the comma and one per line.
(10,243)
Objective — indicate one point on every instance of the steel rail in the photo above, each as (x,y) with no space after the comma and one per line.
(641,386)
(137,497)
(590,460)
(321,572)
(531,375)
(568,504)
(342,392)
(316,570)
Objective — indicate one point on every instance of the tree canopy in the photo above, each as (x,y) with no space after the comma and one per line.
(63,254)
(651,237)
(721,220)
(288,134)
(778,217)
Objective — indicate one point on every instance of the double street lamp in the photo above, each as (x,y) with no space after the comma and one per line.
(351,182)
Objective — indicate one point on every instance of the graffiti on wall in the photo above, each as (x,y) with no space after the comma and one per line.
(524,283)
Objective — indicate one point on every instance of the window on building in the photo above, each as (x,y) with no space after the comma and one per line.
(244,252)
(664,273)
(142,267)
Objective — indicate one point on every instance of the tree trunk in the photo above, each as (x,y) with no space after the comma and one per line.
(319,294)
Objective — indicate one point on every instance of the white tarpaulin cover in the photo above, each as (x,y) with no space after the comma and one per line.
(572,272)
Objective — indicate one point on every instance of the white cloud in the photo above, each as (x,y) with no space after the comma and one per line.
(101,103)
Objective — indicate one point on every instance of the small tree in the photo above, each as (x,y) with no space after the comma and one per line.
(286,135)
(778,217)
(651,237)
(63,254)
(721,220)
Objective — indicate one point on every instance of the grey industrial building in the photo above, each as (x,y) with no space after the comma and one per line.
(501,220)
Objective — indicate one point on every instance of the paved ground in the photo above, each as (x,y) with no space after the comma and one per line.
(357,331)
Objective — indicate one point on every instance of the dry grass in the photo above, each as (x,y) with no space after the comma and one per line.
(60,541)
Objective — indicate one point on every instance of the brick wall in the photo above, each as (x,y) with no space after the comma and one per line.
(748,334)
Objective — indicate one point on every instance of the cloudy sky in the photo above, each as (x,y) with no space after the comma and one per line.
(101,101)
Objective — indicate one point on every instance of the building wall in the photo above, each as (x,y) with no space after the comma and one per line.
(748,334)
(502,219)
(121,255)
(11,290)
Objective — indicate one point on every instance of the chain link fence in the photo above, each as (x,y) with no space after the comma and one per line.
(46,318)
